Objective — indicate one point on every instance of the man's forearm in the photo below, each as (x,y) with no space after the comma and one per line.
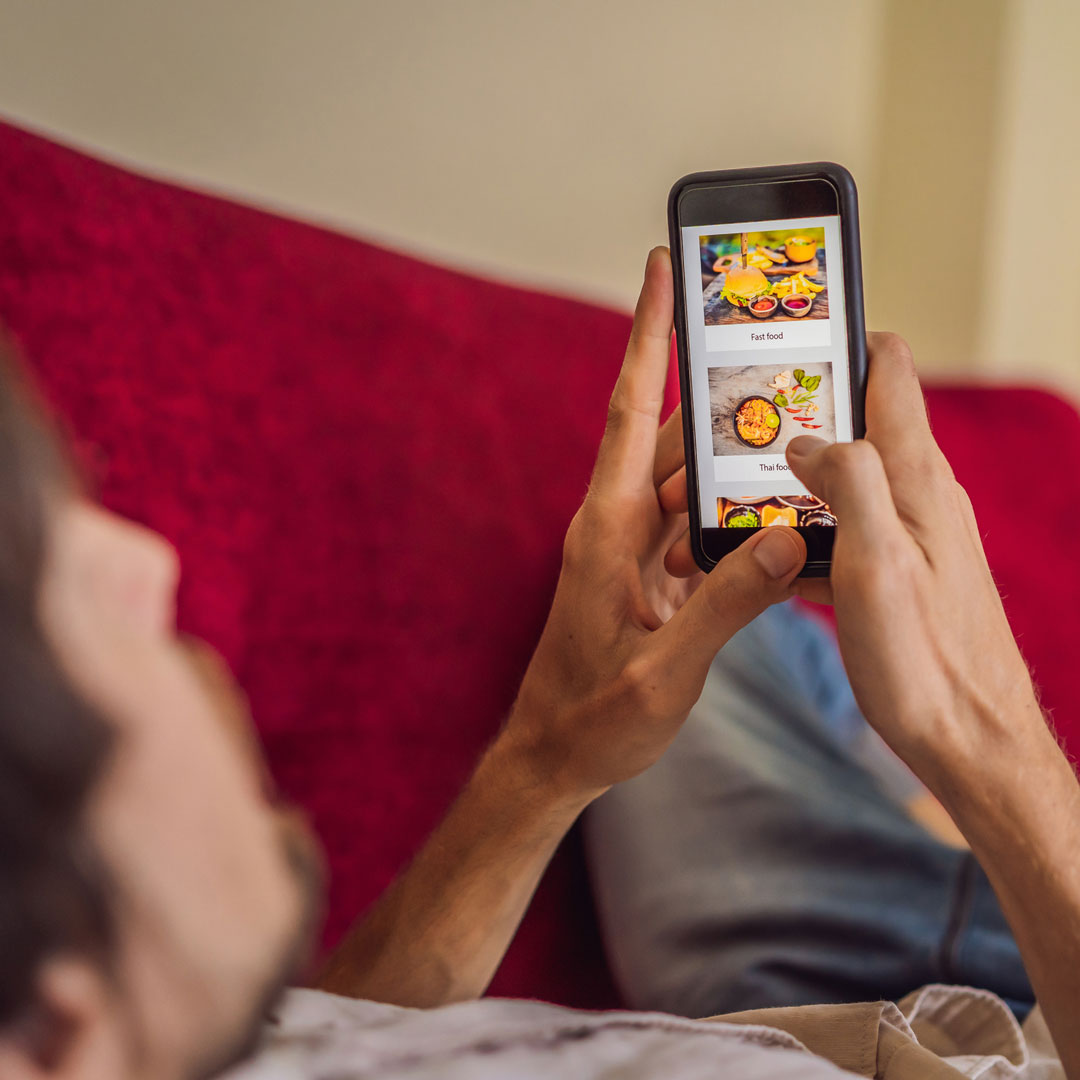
(441,930)
(1018,805)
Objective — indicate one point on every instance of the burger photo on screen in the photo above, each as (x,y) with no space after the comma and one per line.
(744,283)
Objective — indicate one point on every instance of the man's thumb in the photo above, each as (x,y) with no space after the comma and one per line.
(779,552)
(743,584)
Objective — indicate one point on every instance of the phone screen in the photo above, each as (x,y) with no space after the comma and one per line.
(768,352)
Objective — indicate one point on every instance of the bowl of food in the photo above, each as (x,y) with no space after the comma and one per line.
(800,248)
(757,422)
(801,502)
(764,306)
(741,517)
(817,517)
(797,305)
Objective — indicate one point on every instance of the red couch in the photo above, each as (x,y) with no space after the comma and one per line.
(367,464)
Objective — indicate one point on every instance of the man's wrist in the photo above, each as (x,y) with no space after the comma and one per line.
(525,766)
(988,774)
(976,729)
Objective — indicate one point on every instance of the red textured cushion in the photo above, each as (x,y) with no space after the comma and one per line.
(367,464)
(1017,452)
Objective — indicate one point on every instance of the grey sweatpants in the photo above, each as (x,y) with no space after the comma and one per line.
(761,862)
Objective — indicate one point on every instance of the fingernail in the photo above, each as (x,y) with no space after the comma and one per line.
(777,553)
(804,445)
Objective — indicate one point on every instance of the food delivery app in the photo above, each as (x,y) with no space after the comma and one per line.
(768,362)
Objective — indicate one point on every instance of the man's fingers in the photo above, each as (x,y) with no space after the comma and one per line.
(851,479)
(896,419)
(897,424)
(670,449)
(674,497)
(895,406)
(628,450)
(743,584)
(679,561)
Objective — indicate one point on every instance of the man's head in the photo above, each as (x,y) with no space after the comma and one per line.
(152,900)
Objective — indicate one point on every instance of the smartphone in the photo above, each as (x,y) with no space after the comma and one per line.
(771,341)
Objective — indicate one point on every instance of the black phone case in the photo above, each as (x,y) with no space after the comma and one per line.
(848,203)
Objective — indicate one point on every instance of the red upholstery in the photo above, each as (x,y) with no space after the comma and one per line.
(367,464)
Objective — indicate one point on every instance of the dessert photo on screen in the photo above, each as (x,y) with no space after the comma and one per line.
(760,408)
(764,276)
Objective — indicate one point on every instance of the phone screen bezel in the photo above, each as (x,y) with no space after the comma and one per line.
(816,190)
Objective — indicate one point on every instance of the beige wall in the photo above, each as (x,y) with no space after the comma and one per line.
(936,143)
(1034,219)
(538,140)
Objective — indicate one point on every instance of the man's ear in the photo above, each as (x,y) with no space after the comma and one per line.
(70,1032)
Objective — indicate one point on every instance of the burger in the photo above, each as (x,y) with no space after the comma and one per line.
(744,284)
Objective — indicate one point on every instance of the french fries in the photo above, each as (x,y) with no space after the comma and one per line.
(797,285)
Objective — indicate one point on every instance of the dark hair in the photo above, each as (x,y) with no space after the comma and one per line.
(53,746)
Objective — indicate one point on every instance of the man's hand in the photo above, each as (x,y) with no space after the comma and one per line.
(923,634)
(627,646)
(622,660)
(937,672)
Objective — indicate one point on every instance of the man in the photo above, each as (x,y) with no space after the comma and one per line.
(154,900)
